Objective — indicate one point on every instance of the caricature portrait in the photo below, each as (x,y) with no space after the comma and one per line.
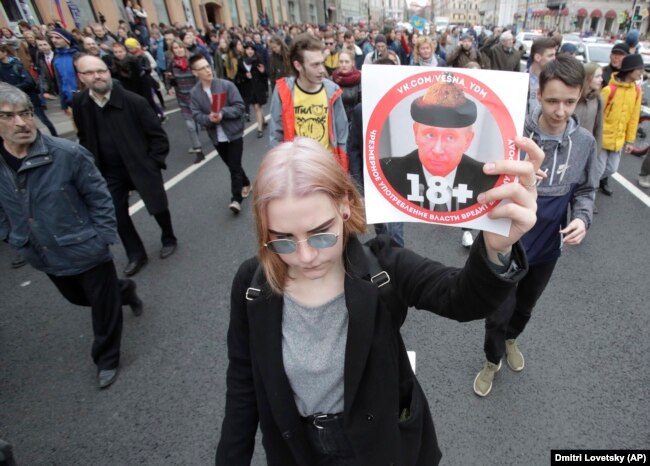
(438,174)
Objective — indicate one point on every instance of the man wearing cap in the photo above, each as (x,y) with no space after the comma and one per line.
(466,53)
(381,50)
(503,55)
(65,48)
(438,175)
(619,51)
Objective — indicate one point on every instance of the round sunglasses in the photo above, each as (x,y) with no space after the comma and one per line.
(316,241)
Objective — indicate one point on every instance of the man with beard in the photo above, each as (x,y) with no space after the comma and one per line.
(466,53)
(56,212)
(104,114)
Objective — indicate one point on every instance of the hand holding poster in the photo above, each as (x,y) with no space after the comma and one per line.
(427,135)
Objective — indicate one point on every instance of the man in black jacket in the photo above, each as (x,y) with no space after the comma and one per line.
(105,113)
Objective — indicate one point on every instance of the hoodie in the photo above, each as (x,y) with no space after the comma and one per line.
(572,179)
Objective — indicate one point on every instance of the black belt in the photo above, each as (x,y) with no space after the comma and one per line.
(322,421)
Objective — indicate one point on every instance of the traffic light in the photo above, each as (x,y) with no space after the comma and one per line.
(637,13)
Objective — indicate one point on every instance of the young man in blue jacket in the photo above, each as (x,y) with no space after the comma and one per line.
(56,211)
(570,182)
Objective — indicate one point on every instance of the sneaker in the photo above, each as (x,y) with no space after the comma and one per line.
(200,157)
(514,358)
(246,191)
(644,181)
(483,380)
(260,134)
(194,150)
(235,207)
(18,262)
(467,239)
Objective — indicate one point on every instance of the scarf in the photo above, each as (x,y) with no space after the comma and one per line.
(181,62)
(349,79)
(433,61)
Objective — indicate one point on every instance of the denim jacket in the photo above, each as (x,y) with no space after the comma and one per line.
(56,211)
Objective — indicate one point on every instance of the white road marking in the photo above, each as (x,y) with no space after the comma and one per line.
(636,192)
(411,355)
(191,169)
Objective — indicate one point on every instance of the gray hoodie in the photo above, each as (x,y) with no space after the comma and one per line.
(572,178)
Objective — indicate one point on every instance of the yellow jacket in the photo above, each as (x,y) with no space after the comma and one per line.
(621,114)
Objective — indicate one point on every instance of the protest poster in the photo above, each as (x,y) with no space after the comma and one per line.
(427,134)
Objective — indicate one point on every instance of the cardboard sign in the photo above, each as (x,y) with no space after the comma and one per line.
(427,134)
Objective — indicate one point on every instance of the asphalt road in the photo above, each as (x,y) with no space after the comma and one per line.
(586,382)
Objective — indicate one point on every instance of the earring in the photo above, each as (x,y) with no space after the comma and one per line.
(346,217)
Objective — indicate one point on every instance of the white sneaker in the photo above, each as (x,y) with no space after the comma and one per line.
(467,240)
(246,191)
(644,181)
(235,207)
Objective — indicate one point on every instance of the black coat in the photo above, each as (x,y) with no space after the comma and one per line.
(254,90)
(378,380)
(468,172)
(138,132)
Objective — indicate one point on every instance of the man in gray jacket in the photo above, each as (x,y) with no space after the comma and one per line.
(217,105)
(56,211)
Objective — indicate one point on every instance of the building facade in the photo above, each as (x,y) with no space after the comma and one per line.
(598,17)
(199,13)
(462,12)
(498,12)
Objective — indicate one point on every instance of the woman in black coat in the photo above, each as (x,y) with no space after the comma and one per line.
(252,80)
(315,352)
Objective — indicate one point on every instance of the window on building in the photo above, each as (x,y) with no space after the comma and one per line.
(161,11)
(12,10)
(292,12)
(234,14)
(312,13)
(247,12)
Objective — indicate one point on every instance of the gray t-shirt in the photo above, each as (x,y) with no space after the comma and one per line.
(313,352)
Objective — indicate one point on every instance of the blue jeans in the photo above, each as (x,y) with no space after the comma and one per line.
(394,230)
(608,161)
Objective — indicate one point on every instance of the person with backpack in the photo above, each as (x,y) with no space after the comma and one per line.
(622,97)
(316,358)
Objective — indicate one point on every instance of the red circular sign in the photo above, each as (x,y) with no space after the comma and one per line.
(412,85)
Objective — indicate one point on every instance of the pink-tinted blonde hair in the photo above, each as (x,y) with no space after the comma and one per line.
(300,168)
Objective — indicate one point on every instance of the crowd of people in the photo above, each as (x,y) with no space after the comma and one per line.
(312,280)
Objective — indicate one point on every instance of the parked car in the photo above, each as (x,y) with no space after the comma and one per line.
(526,39)
(598,53)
